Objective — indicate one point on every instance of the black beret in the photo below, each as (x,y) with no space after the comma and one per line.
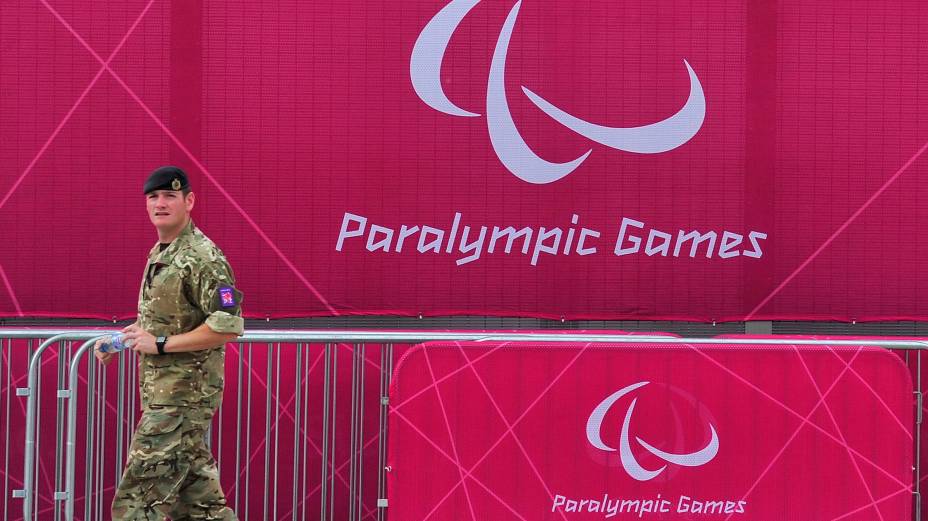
(166,178)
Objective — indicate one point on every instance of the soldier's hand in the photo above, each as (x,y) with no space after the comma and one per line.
(103,358)
(141,341)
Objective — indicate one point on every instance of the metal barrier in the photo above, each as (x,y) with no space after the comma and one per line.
(320,451)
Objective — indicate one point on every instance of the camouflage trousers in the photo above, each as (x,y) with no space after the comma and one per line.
(170,472)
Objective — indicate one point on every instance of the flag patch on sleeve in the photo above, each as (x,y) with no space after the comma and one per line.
(227,297)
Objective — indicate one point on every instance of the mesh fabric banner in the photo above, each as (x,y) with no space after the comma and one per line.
(713,160)
(587,432)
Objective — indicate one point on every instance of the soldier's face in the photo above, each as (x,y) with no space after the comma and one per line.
(169,209)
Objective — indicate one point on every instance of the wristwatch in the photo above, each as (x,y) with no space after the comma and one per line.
(160,341)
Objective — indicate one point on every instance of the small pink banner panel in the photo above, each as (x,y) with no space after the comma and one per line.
(710,160)
(535,431)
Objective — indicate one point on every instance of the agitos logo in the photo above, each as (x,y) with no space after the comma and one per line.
(512,150)
(629,462)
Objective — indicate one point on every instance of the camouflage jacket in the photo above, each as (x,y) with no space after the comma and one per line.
(185,285)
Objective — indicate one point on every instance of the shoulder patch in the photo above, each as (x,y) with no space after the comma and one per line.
(227,297)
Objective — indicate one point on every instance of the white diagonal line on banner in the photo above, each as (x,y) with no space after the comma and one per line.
(441,451)
(837,232)
(9,289)
(489,491)
(834,422)
(509,431)
(805,421)
(254,225)
(451,374)
(881,500)
(509,428)
(788,409)
(454,449)
(863,381)
(873,391)
(80,99)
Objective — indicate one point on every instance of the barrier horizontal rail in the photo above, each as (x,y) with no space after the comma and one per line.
(327,346)
(419,336)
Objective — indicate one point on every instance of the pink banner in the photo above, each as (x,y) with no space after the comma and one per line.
(540,431)
(912,358)
(715,160)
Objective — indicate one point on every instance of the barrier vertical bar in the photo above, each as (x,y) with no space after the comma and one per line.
(132,368)
(386,430)
(6,442)
(238,425)
(267,426)
(352,465)
(102,444)
(32,442)
(386,364)
(89,440)
(136,397)
(71,396)
(334,425)
(297,393)
(61,421)
(120,415)
(918,440)
(248,427)
(217,421)
(306,432)
(95,464)
(383,401)
(277,414)
(325,432)
(361,363)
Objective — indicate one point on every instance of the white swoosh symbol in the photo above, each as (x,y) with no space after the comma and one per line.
(595,422)
(648,139)
(693,459)
(428,53)
(631,465)
(511,149)
(515,154)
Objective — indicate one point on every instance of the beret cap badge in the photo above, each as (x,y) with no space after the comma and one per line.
(176,184)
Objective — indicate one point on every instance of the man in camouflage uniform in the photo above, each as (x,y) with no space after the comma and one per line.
(188,309)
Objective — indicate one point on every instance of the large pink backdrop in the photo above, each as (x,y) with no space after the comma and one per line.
(348,155)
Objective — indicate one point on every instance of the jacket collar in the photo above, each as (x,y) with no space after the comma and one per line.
(155,256)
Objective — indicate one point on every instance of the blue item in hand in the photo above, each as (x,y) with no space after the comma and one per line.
(113,343)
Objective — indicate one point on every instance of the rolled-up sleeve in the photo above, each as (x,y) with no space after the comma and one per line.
(222,322)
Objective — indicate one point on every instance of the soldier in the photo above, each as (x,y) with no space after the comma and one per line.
(188,309)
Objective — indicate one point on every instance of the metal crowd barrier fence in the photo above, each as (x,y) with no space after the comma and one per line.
(301,433)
